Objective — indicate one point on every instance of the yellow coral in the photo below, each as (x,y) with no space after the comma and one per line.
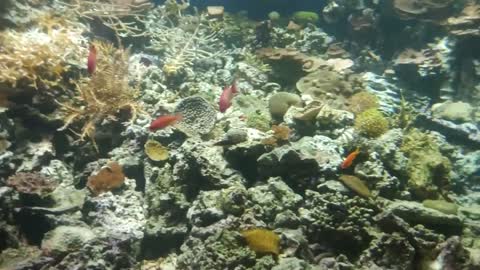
(41,55)
(371,123)
(354,183)
(156,151)
(262,240)
(104,94)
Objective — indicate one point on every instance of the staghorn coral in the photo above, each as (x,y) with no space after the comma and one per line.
(31,183)
(107,178)
(371,123)
(124,17)
(180,45)
(104,94)
(40,56)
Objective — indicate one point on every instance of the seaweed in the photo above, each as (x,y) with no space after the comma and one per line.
(103,95)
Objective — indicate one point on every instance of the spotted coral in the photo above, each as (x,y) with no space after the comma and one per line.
(371,123)
(107,178)
(262,240)
(198,116)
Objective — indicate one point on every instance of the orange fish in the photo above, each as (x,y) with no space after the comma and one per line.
(92,59)
(347,162)
(164,121)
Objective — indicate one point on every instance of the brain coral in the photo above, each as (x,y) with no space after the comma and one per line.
(198,115)
(371,123)
(281,101)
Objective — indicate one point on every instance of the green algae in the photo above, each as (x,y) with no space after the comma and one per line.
(428,169)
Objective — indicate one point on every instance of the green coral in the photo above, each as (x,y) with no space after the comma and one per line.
(304,17)
(428,169)
(371,123)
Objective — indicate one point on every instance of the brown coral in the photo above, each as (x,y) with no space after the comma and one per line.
(300,60)
(31,183)
(108,178)
(362,101)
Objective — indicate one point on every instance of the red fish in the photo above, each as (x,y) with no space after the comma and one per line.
(349,159)
(164,121)
(92,59)
(227,95)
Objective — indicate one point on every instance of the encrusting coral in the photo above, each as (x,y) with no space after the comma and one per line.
(104,94)
(31,183)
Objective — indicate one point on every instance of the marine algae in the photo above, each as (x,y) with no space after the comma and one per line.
(262,240)
(355,184)
(428,169)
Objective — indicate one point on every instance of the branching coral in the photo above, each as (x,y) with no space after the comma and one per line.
(122,16)
(39,56)
(180,45)
(104,94)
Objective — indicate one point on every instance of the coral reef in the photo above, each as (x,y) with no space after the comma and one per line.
(351,146)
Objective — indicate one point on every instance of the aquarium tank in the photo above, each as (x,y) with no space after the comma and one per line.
(240,135)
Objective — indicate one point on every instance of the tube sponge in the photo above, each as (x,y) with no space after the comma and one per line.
(281,101)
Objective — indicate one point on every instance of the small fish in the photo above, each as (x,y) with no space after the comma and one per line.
(164,121)
(227,95)
(92,59)
(349,159)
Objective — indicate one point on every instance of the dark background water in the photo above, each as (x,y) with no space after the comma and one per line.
(258,9)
